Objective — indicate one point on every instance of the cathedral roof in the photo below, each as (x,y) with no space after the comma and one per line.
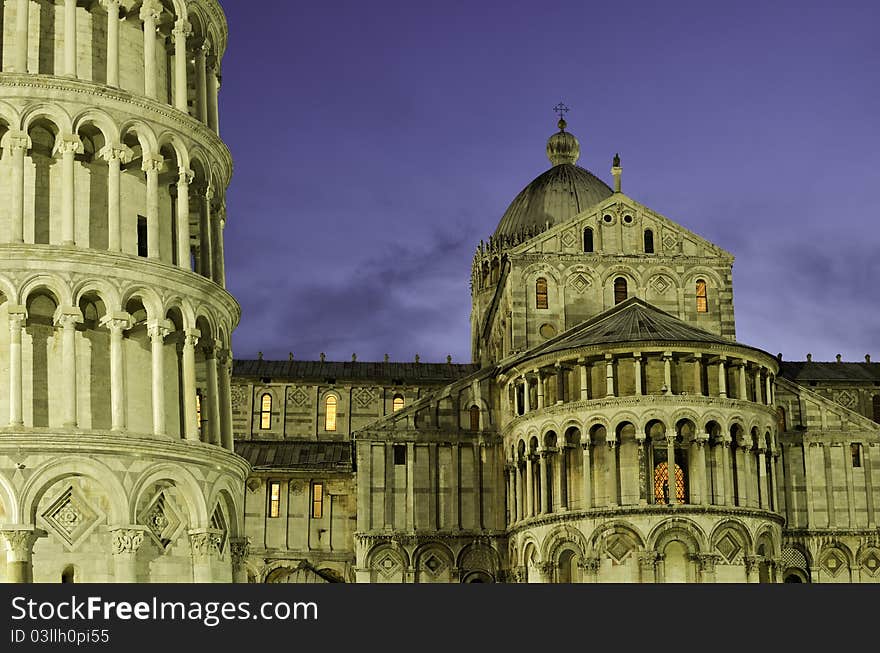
(557,195)
(392,373)
(328,456)
(806,371)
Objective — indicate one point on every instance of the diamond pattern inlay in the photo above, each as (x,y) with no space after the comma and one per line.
(580,283)
(71,517)
(162,519)
(728,547)
(618,548)
(661,284)
(569,239)
(834,563)
(363,397)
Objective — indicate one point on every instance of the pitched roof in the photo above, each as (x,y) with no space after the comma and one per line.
(389,373)
(633,320)
(327,456)
(805,371)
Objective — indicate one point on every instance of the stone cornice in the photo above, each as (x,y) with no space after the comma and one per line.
(427,536)
(42,441)
(661,512)
(90,95)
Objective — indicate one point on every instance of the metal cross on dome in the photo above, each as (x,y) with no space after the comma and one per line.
(561,110)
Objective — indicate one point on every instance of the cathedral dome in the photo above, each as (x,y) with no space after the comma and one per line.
(557,195)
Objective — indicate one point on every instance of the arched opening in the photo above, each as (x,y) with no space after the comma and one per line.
(45,171)
(714,469)
(92,180)
(475,417)
(175,411)
(168,218)
(567,568)
(134,230)
(737,438)
(266,411)
(541,298)
(68,575)
(95,353)
(330,407)
(702,297)
(397,403)
(675,562)
(45,353)
(649,241)
(207,382)
(620,290)
(588,240)
(573,458)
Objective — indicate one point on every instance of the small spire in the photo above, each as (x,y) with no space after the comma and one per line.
(616,171)
(867,358)
(809,358)
(387,358)
(839,357)
(417,358)
(449,360)
(563,147)
(323,356)
(779,356)
(354,358)
(259,355)
(290,356)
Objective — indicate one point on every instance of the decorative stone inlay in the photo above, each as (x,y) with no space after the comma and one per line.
(618,548)
(871,562)
(728,547)
(846,398)
(363,397)
(218,523)
(660,284)
(238,397)
(569,239)
(162,519)
(670,240)
(297,397)
(834,563)
(434,564)
(387,564)
(71,517)
(580,283)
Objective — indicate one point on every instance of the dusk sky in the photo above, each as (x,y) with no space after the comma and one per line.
(376,143)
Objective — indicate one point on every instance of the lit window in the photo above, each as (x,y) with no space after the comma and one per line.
(330,417)
(588,240)
(266,411)
(475,418)
(855,450)
(317,500)
(702,297)
(541,293)
(619,290)
(397,403)
(199,409)
(661,484)
(274,499)
(649,241)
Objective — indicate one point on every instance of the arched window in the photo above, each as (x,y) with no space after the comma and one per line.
(68,575)
(619,290)
(541,293)
(588,239)
(397,403)
(876,406)
(475,418)
(266,411)
(330,416)
(661,484)
(702,297)
(649,241)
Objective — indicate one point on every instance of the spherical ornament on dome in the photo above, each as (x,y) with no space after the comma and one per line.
(563,147)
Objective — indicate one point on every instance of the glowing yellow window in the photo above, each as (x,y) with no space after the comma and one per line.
(330,416)
(702,297)
(274,499)
(317,500)
(398,402)
(541,300)
(266,411)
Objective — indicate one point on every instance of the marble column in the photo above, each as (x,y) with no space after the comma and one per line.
(609,375)
(67,319)
(158,331)
(212,90)
(125,543)
(150,12)
(70,38)
(185,177)
(670,470)
(20,53)
(191,422)
(205,235)
(117,323)
(637,371)
(68,146)
(20,542)
(18,143)
(543,508)
(741,390)
(112,7)
(667,372)
(722,378)
(115,156)
(585,386)
(219,253)
(701,496)
(205,545)
(613,472)
(588,478)
(530,488)
(560,384)
(224,360)
(16,316)
(526,393)
(540,388)
(181,30)
(152,165)
(202,84)
(519,492)
(213,408)
(763,501)
(698,374)
(239,550)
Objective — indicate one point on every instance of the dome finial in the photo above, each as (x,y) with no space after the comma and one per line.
(562,146)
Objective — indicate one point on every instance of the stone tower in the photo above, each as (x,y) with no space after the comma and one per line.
(116,450)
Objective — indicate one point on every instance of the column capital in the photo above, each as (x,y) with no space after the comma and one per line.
(16,312)
(191,337)
(205,543)
(67,317)
(611,441)
(127,539)
(648,559)
(589,565)
(752,562)
(701,438)
(706,561)
(110,5)
(152,163)
(185,176)
(224,356)
(68,144)
(17,140)
(182,28)
(150,10)
(116,152)
(158,329)
(20,540)
(239,550)
(116,321)
(670,439)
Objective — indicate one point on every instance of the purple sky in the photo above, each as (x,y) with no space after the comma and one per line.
(375,144)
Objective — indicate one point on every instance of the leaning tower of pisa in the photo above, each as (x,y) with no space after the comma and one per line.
(116,450)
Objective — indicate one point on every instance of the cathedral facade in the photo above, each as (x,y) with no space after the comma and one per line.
(610,427)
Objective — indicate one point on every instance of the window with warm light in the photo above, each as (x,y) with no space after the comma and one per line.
(266,411)
(274,499)
(317,500)
(620,291)
(541,300)
(330,415)
(661,484)
(397,403)
(199,409)
(702,297)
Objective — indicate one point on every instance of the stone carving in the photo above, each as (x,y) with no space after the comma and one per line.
(297,397)
(660,284)
(363,397)
(238,397)
(20,543)
(162,519)
(127,540)
(239,550)
(569,239)
(580,283)
(71,517)
(205,544)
